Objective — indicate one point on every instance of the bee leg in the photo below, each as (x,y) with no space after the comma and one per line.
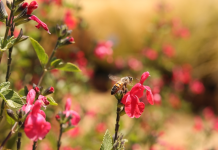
(125,90)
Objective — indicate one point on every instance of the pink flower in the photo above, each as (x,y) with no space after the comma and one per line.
(40,23)
(103,49)
(197,87)
(32,6)
(133,106)
(182,74)
(119,63)
(168,50)
(135,64)
(174,101)
(76,117)
(29,99)
(70,20)
(44,99)
(35,125)
(74,132)
(101,127)
(208,113)
(198,125)
(150,54)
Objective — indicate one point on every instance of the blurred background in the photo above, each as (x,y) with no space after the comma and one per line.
(176,41)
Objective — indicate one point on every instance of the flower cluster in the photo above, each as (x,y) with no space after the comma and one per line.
(103,49)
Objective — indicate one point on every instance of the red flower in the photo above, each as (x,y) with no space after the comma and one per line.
(29,99)
(32,6)
(40,23)
(197,87)
(70,20)
(133,106)
(44,99)
(103,49)
(168,50)
(76,117)
(35,125)
(150,54)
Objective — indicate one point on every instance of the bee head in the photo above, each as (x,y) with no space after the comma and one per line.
(130,79)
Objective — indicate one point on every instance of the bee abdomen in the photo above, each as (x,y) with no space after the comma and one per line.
(114,90)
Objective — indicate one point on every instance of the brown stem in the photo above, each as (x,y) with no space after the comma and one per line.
(59,139)
(117,123)
(34,145)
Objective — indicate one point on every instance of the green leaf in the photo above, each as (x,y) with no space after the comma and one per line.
(51,100)
(55,63)
(12,98)
(68,67)
(23,91)
(107,142)
(10,120)
(40,52)
(4,86)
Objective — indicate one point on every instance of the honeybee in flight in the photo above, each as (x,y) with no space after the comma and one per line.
(121,84)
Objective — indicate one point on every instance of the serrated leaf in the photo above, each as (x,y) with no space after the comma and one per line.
(51,100)
(23,91)
(55,63)
(12,98)
(40,52)
(68,67)
(4,86)
(107,142)
(10,120)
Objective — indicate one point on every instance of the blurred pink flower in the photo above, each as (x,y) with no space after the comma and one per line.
(135,64)
(91,113)
(168,50)
(76,117)
(70,20)
(150,54)
(119,63)
(35,125)
(197,87)
(133,106)
(208,113)
(101,127)
(136,147)
(29,101)
(103,49)
(40,23)
(179,30)
(74,132)
(182,74)
(198,125)
(70,148)
(44,99)
(157,99)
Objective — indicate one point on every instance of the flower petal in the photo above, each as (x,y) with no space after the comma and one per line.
(68,105)
(40,23)
(144,76)
(149,95)
(76,118)
(133,107)
(124,98)
(137,90)
(31,96)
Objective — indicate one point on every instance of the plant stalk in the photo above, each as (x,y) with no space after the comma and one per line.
(59,139)
(48,63)
(34,145)
(9,135)
(117,123)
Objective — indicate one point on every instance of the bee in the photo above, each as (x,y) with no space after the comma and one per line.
(121,84)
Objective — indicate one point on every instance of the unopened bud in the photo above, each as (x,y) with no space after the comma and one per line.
(66,41)
(3,12)
(8,4)
(20,8)
(36,88)
(22,16)
(48,91)
(11,114)
(17,2)
(58,118)
(23,38)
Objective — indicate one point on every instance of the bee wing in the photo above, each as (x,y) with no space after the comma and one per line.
(114,78)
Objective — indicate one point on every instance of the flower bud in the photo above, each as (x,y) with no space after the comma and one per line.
(20,8)
(32,6)
(11,114)
(58,118)
(22,16)
(17,2)
(36,88)
(3,12)
(8,4)
(23,38)
(48,91)
(66,41)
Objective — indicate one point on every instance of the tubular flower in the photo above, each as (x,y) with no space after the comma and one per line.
(40,23)
(76,117)
(29,99)
(133,106)
(35,125)
(32,6)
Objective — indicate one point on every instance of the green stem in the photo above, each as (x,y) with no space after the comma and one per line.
(48,63)
(59,139)
(117,123)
